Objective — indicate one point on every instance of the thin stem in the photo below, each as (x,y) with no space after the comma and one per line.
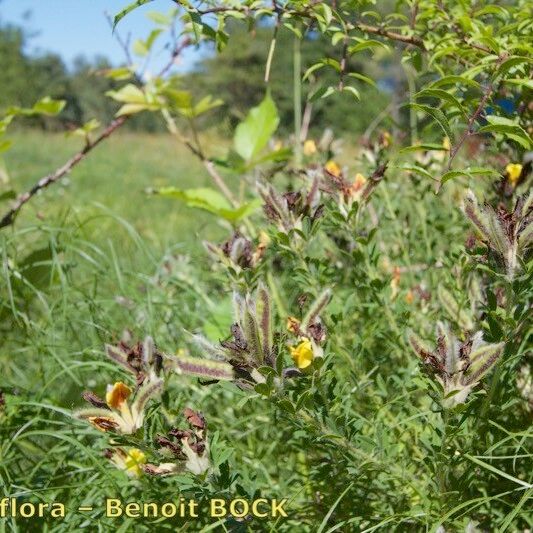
(55,176)
(272,50)
(297,81)
(196,149)
(412,112)
(442,474)
(494,384)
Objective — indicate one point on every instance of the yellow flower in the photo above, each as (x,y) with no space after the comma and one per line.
(409,297)
(357,184)
(309,147)
(117,394)
(118,415)
(264,241)
(395,282)
(133,461)
(513,171)
(385,139)
(333,168)
(446,144)
(293,324)
(302,354)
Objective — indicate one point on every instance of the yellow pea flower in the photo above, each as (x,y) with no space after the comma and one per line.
(133,461)
(309,147)
(333,168)
(302,354)
(385,139)
(117,413)
(395,282)
(117,394)
(293,324)
(513,171)
(358,183)
(446,144)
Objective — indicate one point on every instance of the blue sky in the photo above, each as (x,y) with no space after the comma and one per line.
(79,27)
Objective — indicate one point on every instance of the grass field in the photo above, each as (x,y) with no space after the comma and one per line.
(112,183)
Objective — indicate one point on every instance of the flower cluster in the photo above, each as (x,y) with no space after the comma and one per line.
(348,192)
(123,412)
(288,210)
(117,413)
(239,252)
(188,448)
(254,345)
(507,233)
(457,365)
(309,335)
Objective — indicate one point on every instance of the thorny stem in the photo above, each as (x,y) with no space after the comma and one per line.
(475,115)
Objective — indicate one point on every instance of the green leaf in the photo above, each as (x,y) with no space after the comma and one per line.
(520,82)
(322,92)
(45,106)
(451,174)
(512,62)
(129,94)
(211,201)
(365,45)
(441,94)
(437,115)
(418,170)
(366,79)
(353,91)
(424,147)
(181,100)
(135,100)
(206,104)
(49,107)
(159,18)
(5,145)
(252,135)
(128,9)
(154,34)
(119,74)
(508,128)
(469,172)
(37,267)
(455,80)
(87,128)
(139,48)
(8,195)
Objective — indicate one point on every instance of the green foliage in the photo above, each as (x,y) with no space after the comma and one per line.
(210,200)
(253,134)
(361,346)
